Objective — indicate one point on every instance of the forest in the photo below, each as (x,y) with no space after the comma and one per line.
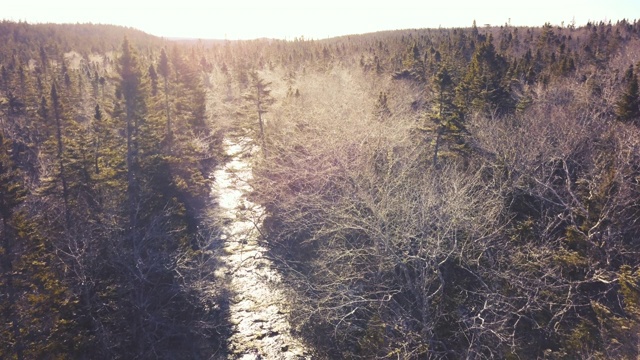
(452,193)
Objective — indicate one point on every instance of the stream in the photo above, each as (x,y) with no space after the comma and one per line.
(257,306)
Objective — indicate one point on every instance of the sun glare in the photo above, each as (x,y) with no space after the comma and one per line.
(286,19)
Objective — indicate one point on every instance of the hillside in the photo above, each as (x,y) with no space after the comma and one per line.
(427,193)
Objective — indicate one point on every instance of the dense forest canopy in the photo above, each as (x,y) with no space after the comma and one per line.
(428,193)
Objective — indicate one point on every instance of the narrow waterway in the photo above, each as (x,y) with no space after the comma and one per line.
(257,307)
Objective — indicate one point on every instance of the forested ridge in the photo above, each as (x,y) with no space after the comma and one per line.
(428,193)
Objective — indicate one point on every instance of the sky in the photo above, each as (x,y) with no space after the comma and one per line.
(319,19)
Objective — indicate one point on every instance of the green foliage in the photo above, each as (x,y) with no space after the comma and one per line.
(98,221)
(35,303)
(446,115)
(483,87)
(153,75)
(382,111)
(628,106)
(629,288)
(163,67)
(12,193)
(258,99)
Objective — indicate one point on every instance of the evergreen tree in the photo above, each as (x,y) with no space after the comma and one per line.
(165,70)
(628,106)
(130,86)
(11,195)
(58,117)
(98,129)
(483,88)
(446,116)
(153,75)
(44,61)
(382,111)
(413,66)
(259,96)
(35,305)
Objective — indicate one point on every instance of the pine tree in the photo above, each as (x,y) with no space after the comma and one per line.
(44,61)
(259,96)
(35,303)
(446,116)
(164,69)
(382,111)
(130,86)
(58,117)
(11,195)
(628,106)
(413,66)
(483,88)
(153,75)
(98,128)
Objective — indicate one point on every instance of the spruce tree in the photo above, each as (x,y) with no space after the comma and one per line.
(153,75)
(130,86)
(628,106)
(260,97)
(382,111)
(97,137)
(11,195)
(58,117)
(34,302)
(483,88)
(449,126)
(165,70)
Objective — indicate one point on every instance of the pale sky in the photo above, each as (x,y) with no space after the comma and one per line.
(250,19)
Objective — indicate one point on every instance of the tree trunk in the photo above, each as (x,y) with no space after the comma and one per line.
(261,122)
(262,139)
(435,151)
(167,110)
(63,178)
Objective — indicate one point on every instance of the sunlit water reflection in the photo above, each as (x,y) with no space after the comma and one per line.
(258,311)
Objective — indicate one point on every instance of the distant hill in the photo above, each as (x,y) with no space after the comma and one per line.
(23,38)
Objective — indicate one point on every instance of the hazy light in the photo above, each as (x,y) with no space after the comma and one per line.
(248,19)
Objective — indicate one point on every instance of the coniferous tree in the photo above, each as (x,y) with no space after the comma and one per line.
(382,111)
(483,88)
(35,305)
(628,106)
(259,96)
(165,70)
(446,116)
(59,119)
(11,195)
(130,86)
(153,75)
(44,61)
(134,276)
(97,125)
(42,123)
